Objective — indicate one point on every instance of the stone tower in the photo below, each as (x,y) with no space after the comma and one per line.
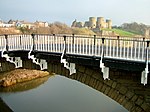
(147,32)
(74,23)
(109,24)
(92,22)
(100,22)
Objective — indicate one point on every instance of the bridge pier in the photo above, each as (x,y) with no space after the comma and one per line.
(6,66)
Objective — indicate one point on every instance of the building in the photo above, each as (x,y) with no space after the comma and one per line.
(41,24)
(147,32)
(25,24)
(94,23)
(4,24)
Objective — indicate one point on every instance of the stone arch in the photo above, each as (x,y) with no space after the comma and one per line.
(111,88)
(92,77)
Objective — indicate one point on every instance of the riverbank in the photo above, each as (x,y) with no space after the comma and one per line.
(20,75)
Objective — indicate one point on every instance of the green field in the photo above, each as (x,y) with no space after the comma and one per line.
(121,32)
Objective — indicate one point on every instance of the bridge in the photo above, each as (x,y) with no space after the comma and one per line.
(115,66)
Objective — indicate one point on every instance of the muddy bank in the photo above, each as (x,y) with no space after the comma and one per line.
(25,86)
(20,75)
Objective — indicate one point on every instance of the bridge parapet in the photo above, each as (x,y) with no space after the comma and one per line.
(124,86)
(133,50)
(119,47)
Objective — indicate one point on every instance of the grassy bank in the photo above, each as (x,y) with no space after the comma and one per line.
(121,32)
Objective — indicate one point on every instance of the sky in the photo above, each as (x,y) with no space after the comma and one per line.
(66,11)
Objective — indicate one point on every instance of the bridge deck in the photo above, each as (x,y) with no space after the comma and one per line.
(128,53)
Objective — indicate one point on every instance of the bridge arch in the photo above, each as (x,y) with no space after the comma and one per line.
(93,77)
(111,88)
(123,54)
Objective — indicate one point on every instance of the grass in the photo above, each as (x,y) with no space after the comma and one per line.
(121,32)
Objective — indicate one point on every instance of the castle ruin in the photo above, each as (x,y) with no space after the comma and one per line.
(147,32)
(95,24)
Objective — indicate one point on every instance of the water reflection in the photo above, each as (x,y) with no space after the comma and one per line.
(60,94)
(4,107)
(24,86)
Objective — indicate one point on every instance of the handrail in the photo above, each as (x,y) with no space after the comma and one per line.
(127,49)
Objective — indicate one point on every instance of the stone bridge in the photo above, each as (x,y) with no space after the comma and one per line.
(122,77)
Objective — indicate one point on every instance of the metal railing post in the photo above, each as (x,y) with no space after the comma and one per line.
(33,41)
(6,40)
(65,43)
(103,47)
(144,76)
(118,44)
(20,41)
(147,51)
(143,47)
(54,45)
(73,38)
(94,45)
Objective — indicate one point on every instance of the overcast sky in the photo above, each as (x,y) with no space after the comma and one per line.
(66,11)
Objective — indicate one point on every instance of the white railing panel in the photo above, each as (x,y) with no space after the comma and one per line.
(114,47)
(2,42)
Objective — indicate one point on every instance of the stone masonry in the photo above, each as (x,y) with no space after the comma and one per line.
(124,87)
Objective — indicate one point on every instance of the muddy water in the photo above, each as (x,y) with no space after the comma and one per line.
(58,94)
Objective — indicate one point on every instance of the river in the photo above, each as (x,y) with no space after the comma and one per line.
(58,94)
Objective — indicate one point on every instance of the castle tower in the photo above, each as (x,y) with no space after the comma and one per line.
(74,23)
(109,24)
(100,22)
(147,32)
(92,22)
(86,24)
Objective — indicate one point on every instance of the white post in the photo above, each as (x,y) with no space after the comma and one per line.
(80,40)
(113,48)
(128,49)
(132,49)
(144,75)
(106,47)
(110,47)
(121,47)
(143,47)
(86,42)
(89,46)
(82,46)
(139,50)
(71,68)
(124,49)
(135,48)
(104,70)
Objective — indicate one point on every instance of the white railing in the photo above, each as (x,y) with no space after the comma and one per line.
(2,42)
(49,43)
(125,49)
(114,47)
(19,42)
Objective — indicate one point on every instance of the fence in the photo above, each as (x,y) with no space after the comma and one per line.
(135,49)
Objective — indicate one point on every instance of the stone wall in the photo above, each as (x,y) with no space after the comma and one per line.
(124,86)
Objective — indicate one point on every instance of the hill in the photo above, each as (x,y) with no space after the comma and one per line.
(10,30)
(135,28)
(121,32)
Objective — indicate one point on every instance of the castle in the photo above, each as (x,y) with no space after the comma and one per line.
(147,32)
(94,24)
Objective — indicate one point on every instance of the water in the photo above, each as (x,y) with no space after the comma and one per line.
(59,94)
